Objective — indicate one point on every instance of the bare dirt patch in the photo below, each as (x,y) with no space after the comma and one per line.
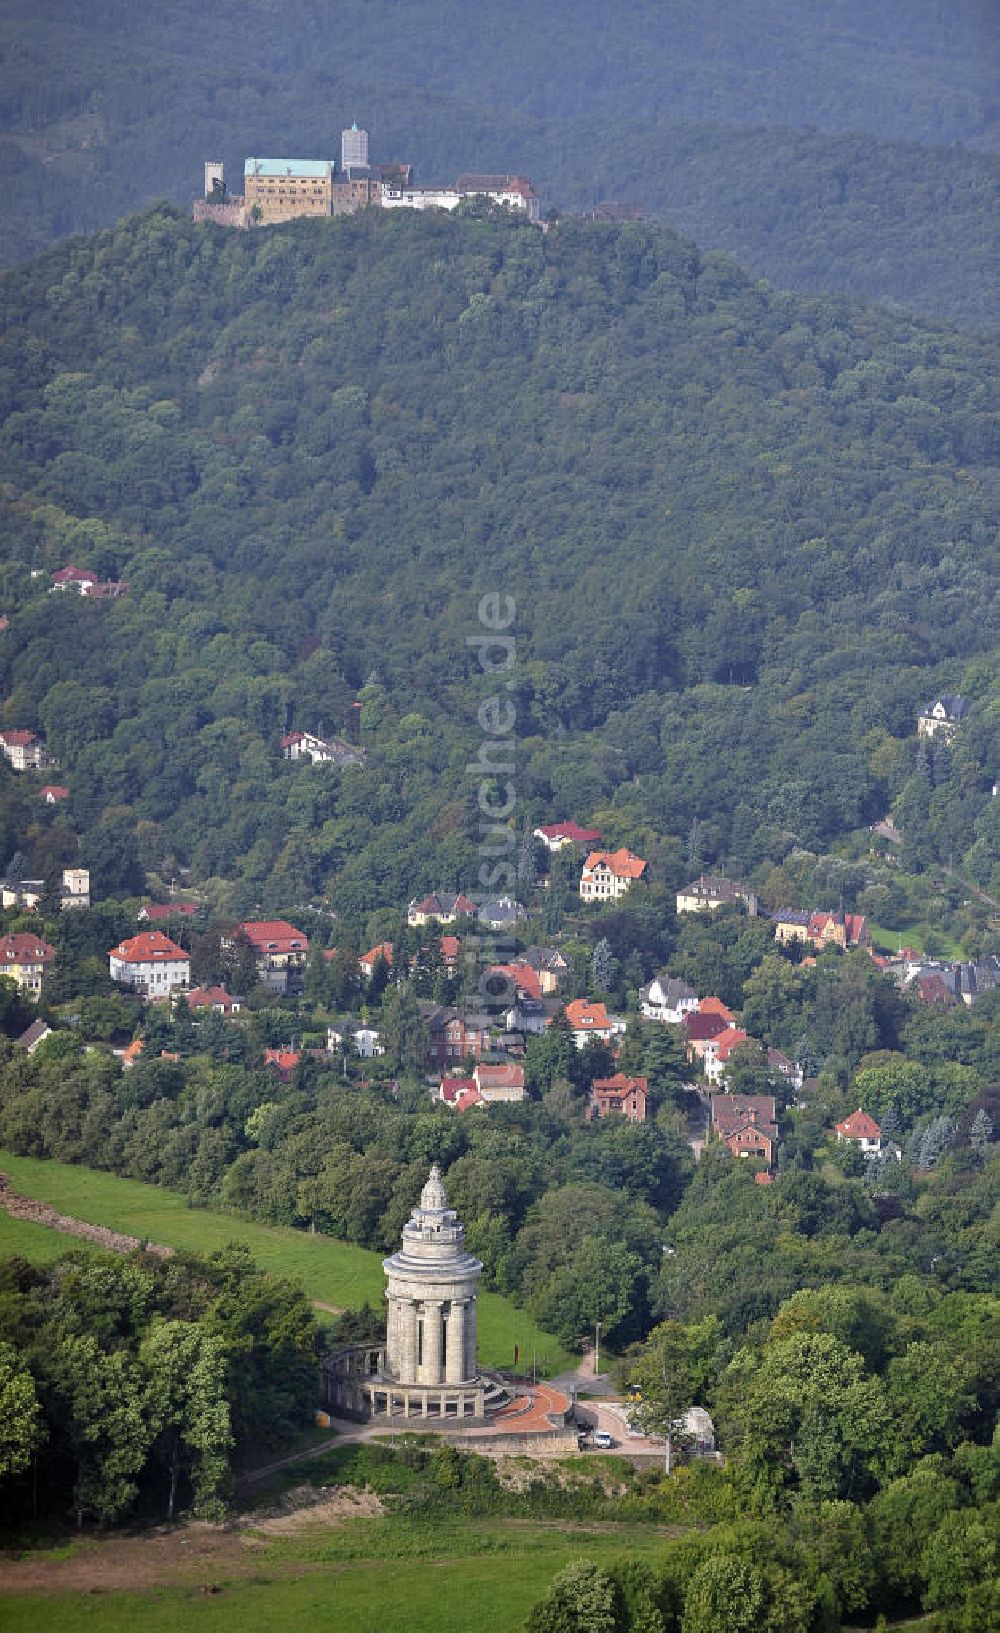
(194,1555)
(186,1556)
(304,1507)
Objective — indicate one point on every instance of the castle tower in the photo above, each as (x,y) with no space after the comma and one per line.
(353,149)
(431,1293)
(214,178)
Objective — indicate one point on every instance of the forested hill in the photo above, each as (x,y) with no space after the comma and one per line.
(843,146)
(748,535)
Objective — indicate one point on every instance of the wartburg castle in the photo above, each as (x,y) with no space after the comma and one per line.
(277,190)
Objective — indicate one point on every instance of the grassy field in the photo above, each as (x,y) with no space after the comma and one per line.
(912,935)
(426,1580)
(331,1272)
(36,1243)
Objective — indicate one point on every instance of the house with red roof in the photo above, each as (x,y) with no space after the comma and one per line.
(157,912)
(53,793)
(589,1020)
(280,951)
(861,1131)
(505,982)
(607,875)
(73,579)
(715,1006)
(282,1062)
(450,947)
(700,1029)
(24,750)
(25,959)
(718,1050)
(619,1096)
(450,1089)
(554,835)
(150,963)
(214,998)
(841,930)
(499,1081)
(86,583)
(368,960)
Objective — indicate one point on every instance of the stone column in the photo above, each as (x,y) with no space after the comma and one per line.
(406,1349)
(454,1363)
(470,1338)
(432,1342)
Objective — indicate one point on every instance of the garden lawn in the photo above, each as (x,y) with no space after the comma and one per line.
(331,1272)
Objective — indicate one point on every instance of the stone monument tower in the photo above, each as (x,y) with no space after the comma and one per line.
(431,1293)
(427,1366)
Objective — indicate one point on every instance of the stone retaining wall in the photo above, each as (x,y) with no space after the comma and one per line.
(40,1213)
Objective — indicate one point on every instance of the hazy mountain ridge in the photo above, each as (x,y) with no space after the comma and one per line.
(693,120)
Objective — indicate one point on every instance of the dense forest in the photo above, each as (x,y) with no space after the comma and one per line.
(848,147)
(768,523)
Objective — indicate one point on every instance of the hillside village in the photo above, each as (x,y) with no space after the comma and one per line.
(467,996)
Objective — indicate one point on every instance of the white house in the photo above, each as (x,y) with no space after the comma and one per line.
(668,999)
(942,717)
(711,891)
(23,750)
(862,1131)
(150,963)
(609,874)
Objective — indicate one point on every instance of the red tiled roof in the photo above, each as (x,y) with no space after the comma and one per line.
(570,831)
(384,949)
(471,1097)
(499,1077)
(623,864)
(584,1016)
(859,1126)
(285,1059)
(450,948)
(21,948)
(169,910)
(274,935)
(73,575)
(206,997)
(523,976)
(715,1006)
(290,738)
(452,1088)
(52,791)
(149,947)
(728,1040)
(17,738)
(620,1084)
(700,1027)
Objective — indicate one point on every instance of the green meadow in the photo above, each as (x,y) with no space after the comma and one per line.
(331,1272)
(482,1574)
